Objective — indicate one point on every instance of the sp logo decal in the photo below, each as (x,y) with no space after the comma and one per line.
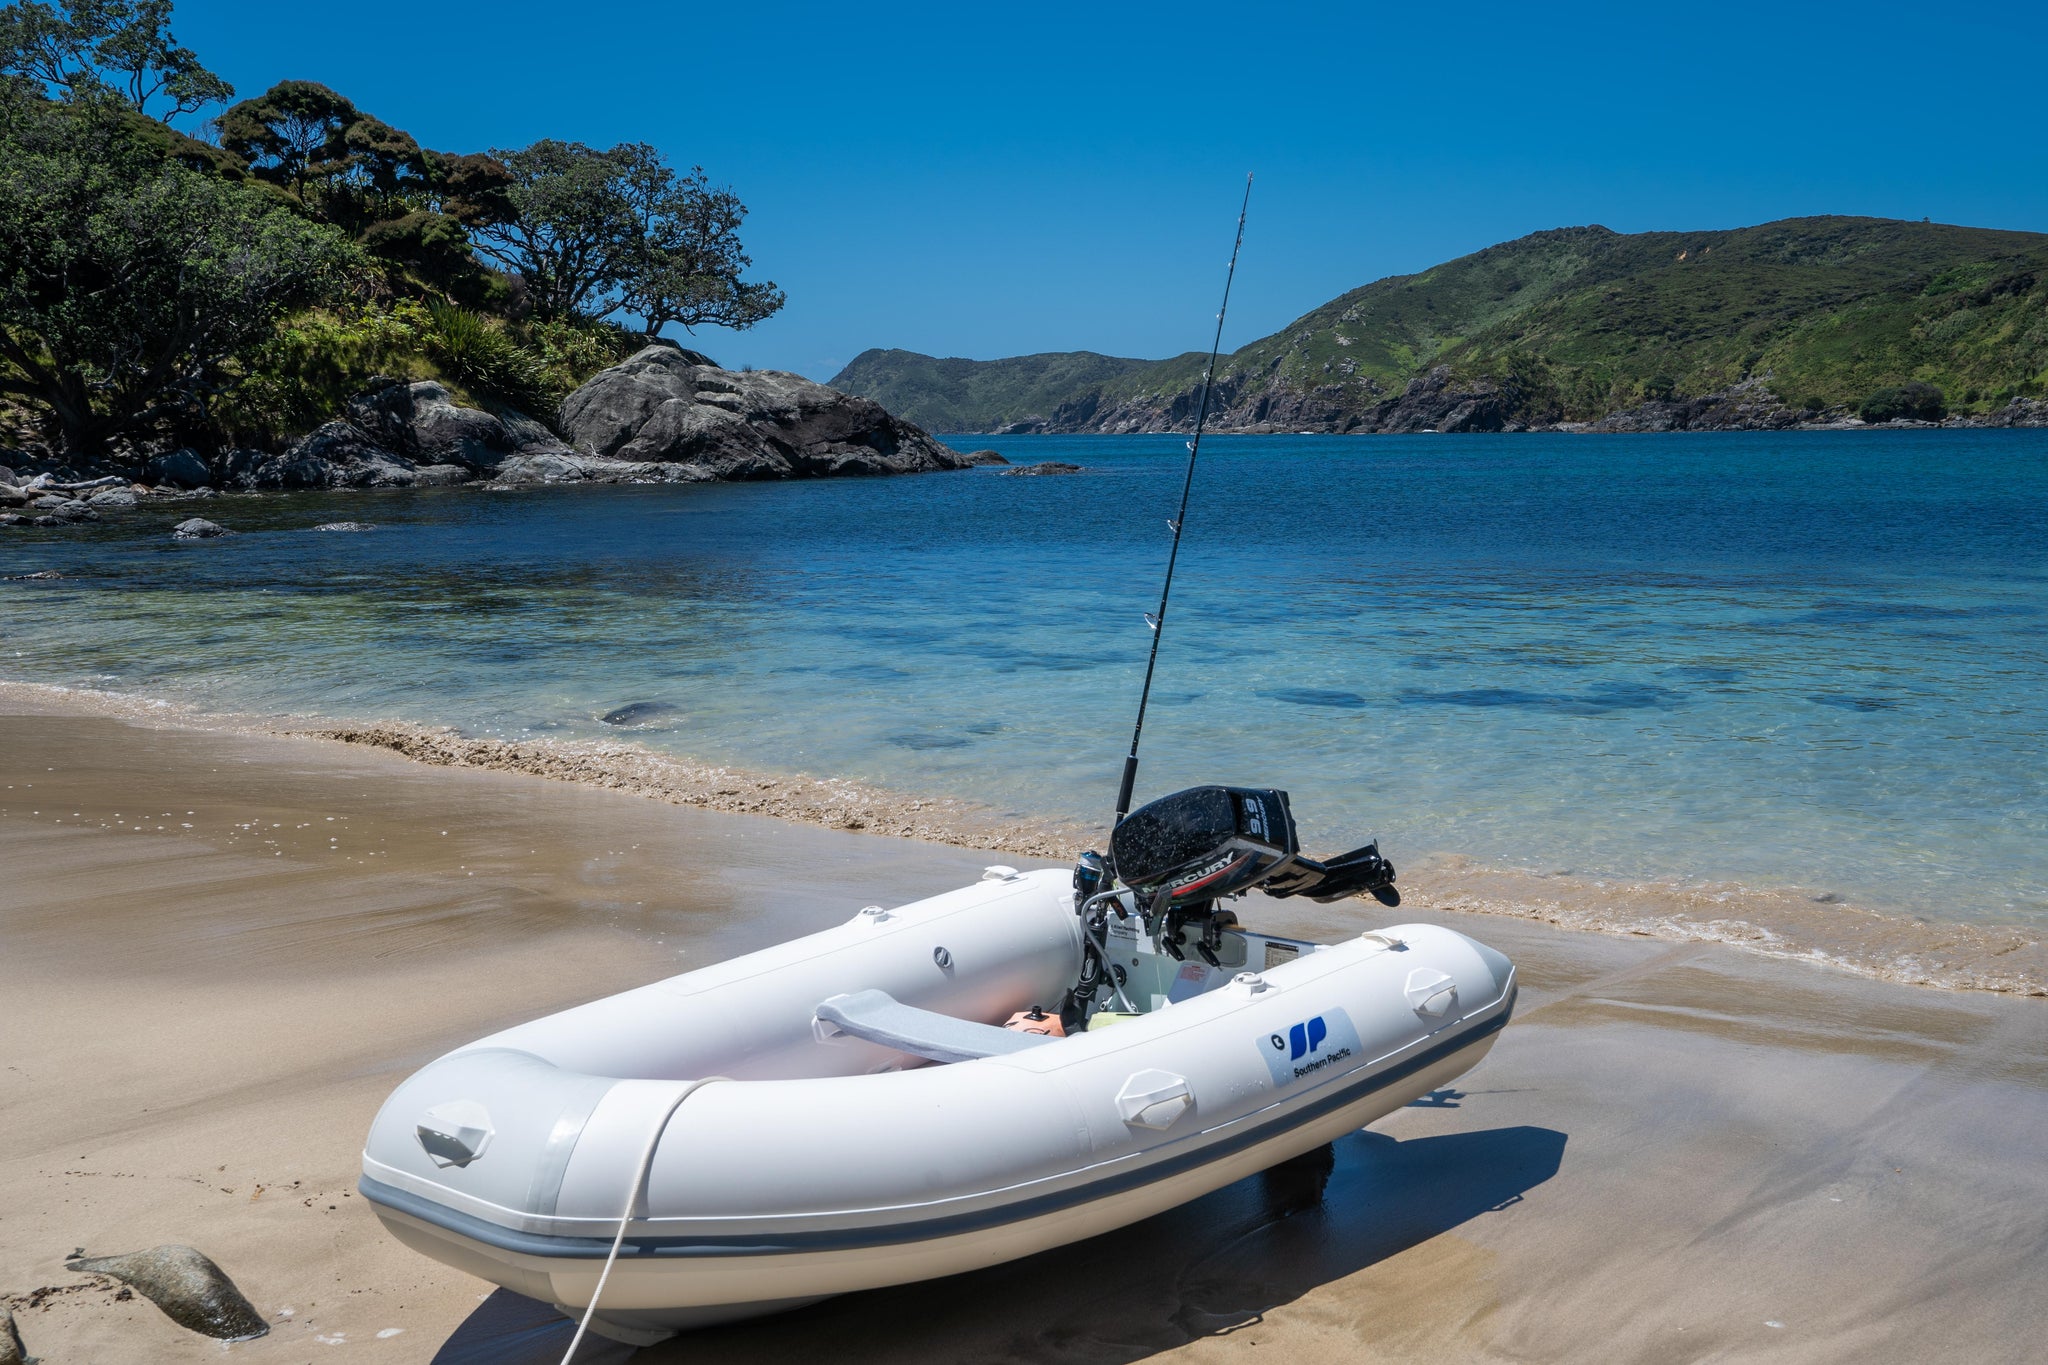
(1311,1046)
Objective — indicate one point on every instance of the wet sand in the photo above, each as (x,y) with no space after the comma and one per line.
(218,953)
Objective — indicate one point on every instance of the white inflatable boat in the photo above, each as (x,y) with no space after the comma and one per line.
(872,1121)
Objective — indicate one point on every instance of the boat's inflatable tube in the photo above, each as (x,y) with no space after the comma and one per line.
(828,1164)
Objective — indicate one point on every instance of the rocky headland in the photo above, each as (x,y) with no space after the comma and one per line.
(663,415)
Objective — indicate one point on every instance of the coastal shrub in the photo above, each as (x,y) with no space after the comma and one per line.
(130,285)
(300,377)
(570,350)
(1914,400)
(475,351)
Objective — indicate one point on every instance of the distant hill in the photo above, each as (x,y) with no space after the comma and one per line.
(977,395)
(1790,322)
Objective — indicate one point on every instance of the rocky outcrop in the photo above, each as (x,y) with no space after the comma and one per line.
(401,435)
(675,410)
(1747,406)
(1042,467)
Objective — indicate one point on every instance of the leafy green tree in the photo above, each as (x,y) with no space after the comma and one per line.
(124,48)
(345,166)
(681,259)
(1913,399)
(557,223)
(129,283)
(602,232)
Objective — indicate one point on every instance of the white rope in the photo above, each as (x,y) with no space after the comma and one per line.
(633,1205)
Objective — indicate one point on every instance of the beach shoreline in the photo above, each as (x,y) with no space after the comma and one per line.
(234,946)
(1787,922)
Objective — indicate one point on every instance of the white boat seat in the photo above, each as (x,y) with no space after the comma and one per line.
(879,1017)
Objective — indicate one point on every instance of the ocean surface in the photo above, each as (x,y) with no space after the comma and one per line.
(1814,660)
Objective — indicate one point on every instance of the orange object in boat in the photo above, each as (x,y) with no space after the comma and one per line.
(1036,1020)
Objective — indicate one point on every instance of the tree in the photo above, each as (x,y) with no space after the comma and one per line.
(1914,399)
(681,260)
(557,223)
(129,282)
(122,48)
(344,166)
(601,232)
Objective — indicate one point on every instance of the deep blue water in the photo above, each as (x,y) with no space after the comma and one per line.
(1811,659)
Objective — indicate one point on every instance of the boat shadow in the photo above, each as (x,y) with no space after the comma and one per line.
(1211,1267)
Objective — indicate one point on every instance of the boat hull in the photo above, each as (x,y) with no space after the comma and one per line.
(827,1164)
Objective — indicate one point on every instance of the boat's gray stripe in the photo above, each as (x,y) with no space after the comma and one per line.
(895,1234)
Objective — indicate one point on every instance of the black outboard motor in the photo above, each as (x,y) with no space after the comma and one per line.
(1203,843)
(1206,842)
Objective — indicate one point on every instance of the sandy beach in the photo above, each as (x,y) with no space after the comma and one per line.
(218,953)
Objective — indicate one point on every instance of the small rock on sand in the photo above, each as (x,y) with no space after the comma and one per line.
(193,1291)
(199,528)
(12,1352)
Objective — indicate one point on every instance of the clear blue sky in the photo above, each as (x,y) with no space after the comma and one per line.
(987,180)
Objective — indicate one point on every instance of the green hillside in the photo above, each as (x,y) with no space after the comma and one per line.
(1585,321)
(975,395)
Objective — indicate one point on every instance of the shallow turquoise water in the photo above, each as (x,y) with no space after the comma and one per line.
(1811,660)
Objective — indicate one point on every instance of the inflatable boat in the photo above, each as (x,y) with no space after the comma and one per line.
(1024,1062)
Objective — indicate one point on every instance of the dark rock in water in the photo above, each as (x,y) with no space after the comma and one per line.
(441,476)
(421,422)
(676,417)
(345,526)
(199,528)
(336,455)
(12,519)
(641,713)
(985,457)
(1043,467)
(12,1352)
(193,1291)
(180,469)
(238,466)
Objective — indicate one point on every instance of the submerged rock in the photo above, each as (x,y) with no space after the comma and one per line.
(346,526)
(198,528)
(641,713)
(192,1291)
(1043,467)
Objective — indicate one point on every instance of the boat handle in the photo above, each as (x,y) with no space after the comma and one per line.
(1154,1099)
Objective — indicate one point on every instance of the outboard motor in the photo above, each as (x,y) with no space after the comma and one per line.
(1207,842)
(1180,855)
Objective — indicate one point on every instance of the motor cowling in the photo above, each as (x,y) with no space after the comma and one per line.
(1203,843)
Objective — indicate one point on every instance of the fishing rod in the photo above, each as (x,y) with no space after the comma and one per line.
(1157,620)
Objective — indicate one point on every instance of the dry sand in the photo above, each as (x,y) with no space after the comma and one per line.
(219,952)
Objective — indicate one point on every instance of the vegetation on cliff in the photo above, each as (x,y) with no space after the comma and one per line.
(1577,323)
(160,289)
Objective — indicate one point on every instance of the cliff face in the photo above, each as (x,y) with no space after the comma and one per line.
(1786,324)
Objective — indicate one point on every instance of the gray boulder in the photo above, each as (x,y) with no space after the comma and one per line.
(421,422)
(337,455)
(198,528)
(669,407)
(8,478)
(116,498)
(180,469)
